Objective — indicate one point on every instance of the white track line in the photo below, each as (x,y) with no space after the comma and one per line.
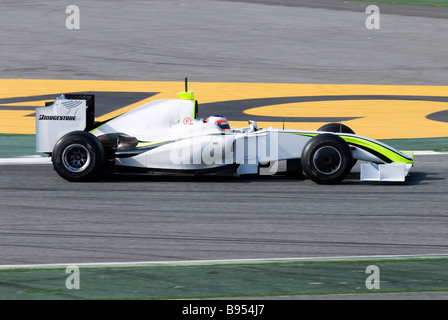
(25,160)
(428,153)
(222,262)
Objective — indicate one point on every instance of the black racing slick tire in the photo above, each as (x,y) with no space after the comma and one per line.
(78,156)
(336,127)
(327,159)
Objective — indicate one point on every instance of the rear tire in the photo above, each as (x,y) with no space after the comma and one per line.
(78,156)
(327,159)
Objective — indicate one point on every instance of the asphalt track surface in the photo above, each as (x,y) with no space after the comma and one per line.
(123,219)
(308,41)
(48,220)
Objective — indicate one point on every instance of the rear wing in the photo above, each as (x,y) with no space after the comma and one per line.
(67,113)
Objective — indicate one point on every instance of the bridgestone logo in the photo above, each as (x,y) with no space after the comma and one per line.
(63,118)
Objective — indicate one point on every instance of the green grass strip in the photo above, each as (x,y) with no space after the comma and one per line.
(434,144)
(412,274)
(17,145)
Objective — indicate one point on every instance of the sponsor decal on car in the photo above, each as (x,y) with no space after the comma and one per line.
(57,118)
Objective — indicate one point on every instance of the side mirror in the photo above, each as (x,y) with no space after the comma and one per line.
(253,125)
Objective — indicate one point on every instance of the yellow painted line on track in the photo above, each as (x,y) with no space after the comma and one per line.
(379,119)
(16,121)
(38,103)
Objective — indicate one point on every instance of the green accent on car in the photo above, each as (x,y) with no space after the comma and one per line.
(305,134)
(91,131)
(372,145)
(392,155)
(142,144)
(194,110)
(186,95)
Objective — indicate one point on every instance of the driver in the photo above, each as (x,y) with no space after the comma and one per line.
(220,121)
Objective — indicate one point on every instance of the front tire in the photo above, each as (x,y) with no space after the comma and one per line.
(78,156)
(336,127)
(327,159)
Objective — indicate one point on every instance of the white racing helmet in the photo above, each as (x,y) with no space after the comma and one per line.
(220,121)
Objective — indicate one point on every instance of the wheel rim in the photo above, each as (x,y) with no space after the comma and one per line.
(327,160)
(76,157)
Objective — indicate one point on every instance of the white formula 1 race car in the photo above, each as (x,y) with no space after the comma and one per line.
(166,136)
